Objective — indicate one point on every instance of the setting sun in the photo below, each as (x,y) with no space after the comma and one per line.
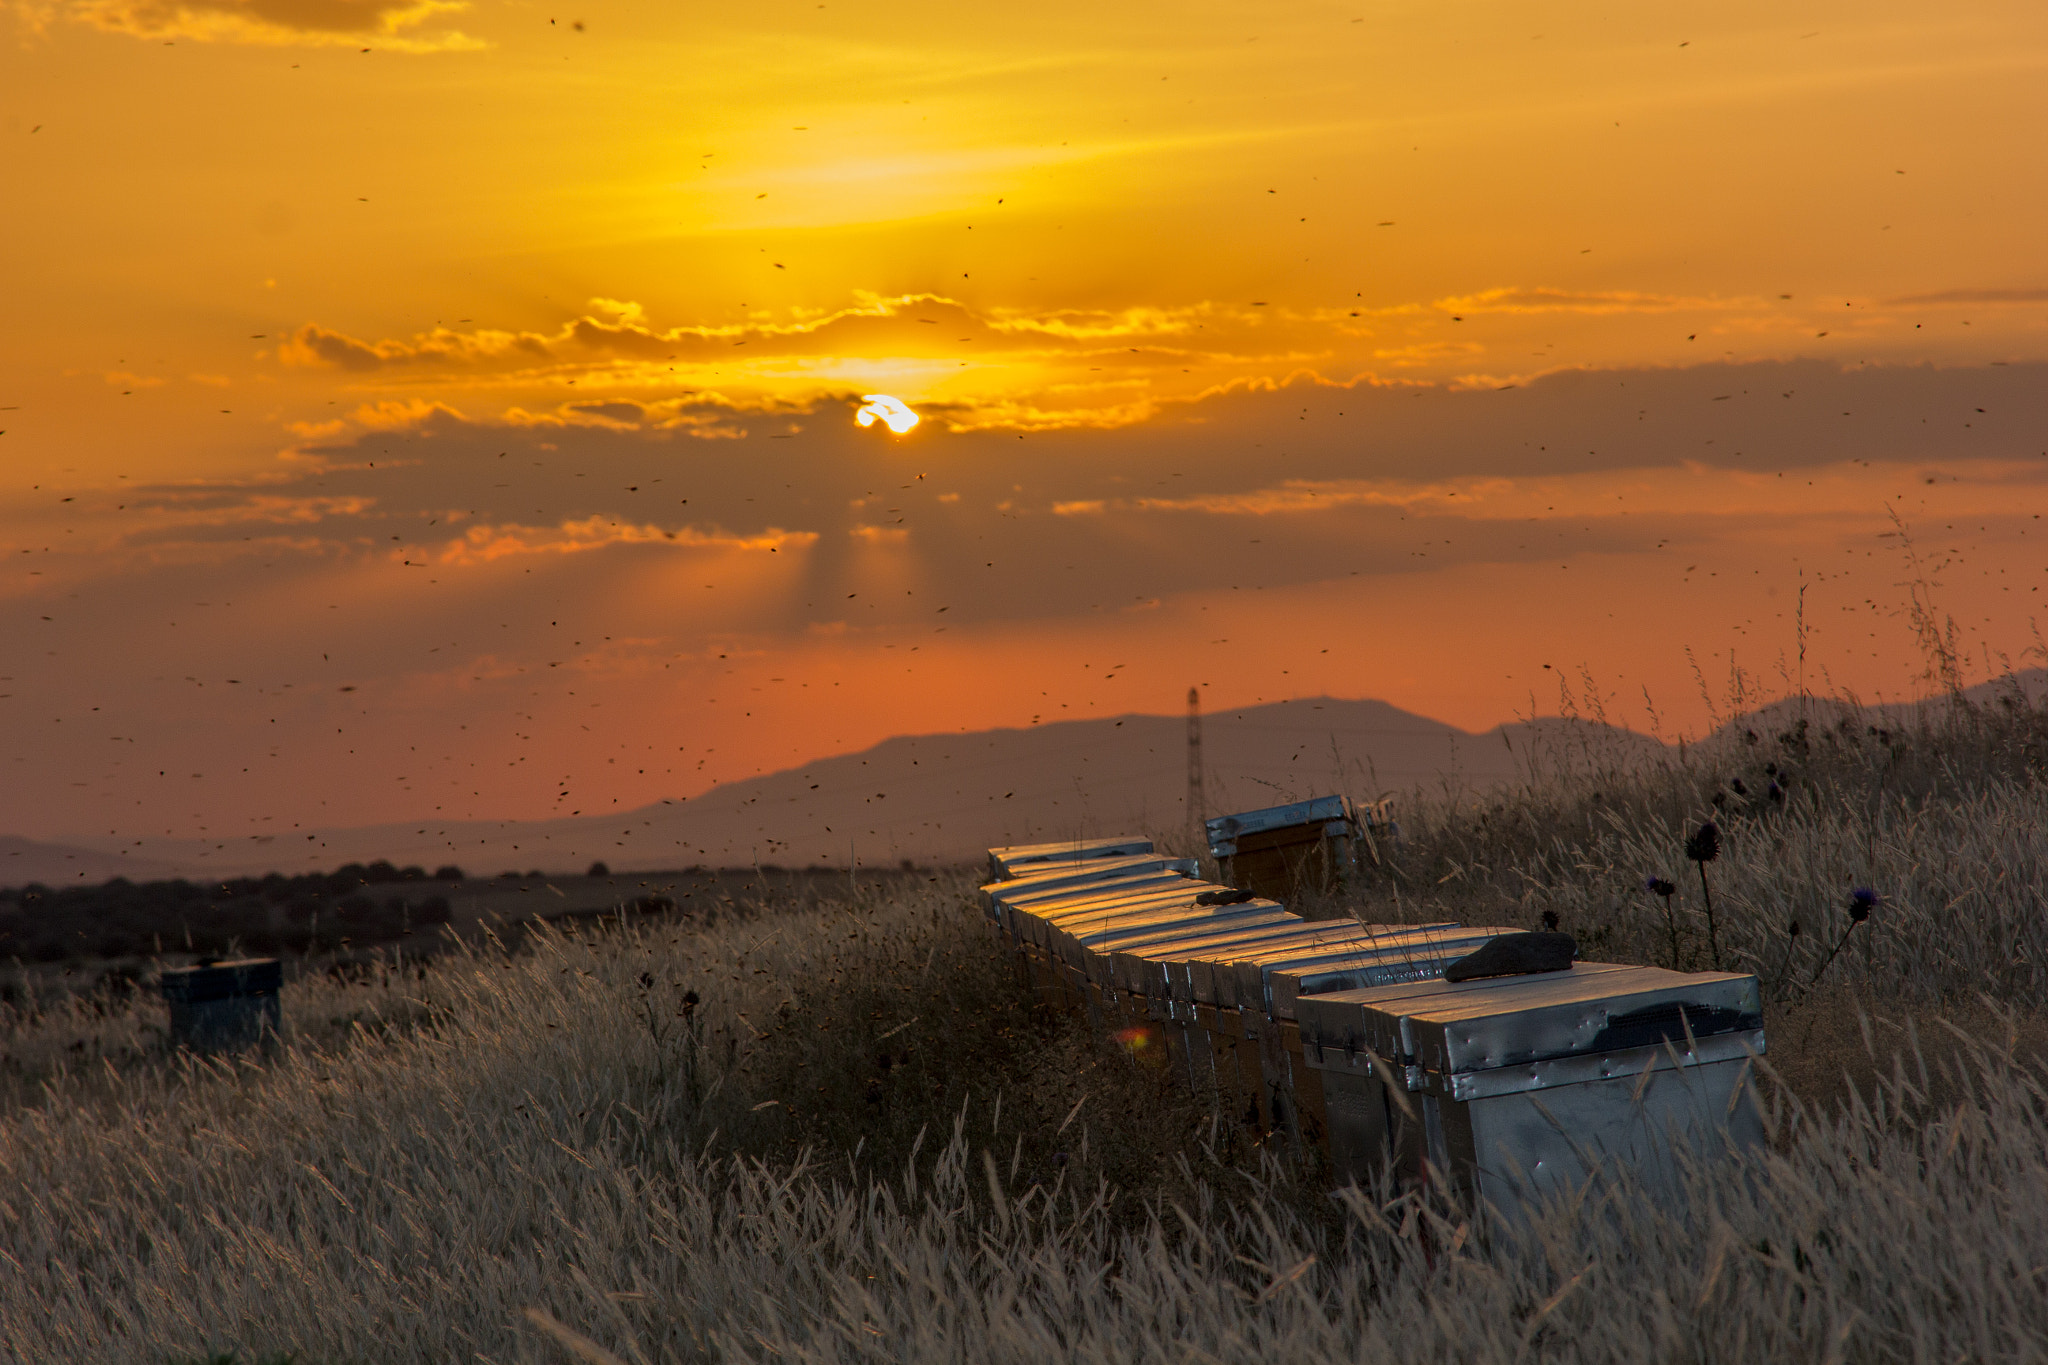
(891,412)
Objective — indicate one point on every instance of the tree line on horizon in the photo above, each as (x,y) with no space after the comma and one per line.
(306,912)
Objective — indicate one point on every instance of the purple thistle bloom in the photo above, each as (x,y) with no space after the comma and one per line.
(1660,887)
(1862,901)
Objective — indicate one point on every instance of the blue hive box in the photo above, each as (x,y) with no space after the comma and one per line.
(223,1006)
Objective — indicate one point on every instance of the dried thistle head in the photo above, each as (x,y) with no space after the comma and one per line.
(1659,886)
(1792,928)
(1705,844)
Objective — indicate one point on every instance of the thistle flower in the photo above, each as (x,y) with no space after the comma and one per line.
(1657,886)
(1861,902)
(1792,928)
(1550,920)
(1702,848)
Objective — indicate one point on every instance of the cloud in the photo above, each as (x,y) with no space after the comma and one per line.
(314,346)
(708,417)
(1964,296)
(969,368)
(395,415)
(1260,483)
(1426,353)
(483,544)
(393,25)
(1543,300)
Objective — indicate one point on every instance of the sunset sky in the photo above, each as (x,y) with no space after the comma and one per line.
(429,407)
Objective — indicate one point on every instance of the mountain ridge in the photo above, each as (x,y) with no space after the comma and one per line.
(936,797)
(943,797)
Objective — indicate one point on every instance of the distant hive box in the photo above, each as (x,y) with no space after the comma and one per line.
(1284,851)
(223,1006)
(1514,1087)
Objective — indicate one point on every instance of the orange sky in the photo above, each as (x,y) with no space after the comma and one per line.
(423,406)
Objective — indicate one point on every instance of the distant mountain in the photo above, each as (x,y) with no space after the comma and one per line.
(2027,686)
(26,860)
(944,798)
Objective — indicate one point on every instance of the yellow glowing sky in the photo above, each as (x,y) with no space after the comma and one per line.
(431,349)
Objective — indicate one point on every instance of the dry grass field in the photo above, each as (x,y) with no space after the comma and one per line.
(841,1130)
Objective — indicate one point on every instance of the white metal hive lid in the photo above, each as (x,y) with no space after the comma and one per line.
(1379,1018)
(1175,944)
(1440,943)
(1220,943)
(1287,983)
(1102,908)
(993,893)
(1348,934)
(1591,1008)
(1052,874)
(1119,932)
(1178,944)
(1036,882)
(1078,923)
(1563,1014)
(1046,899)
(1072,922)
(1225,830)
(1004,862)
(1252,969)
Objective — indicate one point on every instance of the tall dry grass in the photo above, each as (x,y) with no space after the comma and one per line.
(849,1133)
(1941,811)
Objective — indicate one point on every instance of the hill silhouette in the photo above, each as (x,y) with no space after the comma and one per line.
(944,798)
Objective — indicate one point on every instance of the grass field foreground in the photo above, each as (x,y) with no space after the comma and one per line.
(846,1133)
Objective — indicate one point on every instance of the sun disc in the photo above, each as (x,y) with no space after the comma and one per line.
(890,412)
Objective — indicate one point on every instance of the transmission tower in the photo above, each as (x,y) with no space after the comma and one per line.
(1195,827)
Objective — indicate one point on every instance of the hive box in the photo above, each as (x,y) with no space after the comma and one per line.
(223,1006)
(1282,851)
(1024,895)
(1270,985)
(1036,922)
(1513,1088)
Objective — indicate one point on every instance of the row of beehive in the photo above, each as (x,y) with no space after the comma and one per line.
(1348,1042)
